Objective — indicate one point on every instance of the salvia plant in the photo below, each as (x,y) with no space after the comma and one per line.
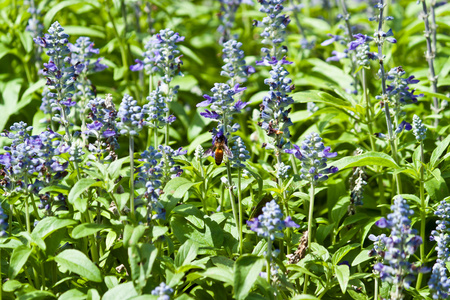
(229,149)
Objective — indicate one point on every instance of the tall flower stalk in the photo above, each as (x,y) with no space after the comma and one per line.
(439,282)
(420,133)
(396,249)
(313,156)
(275,106)
(131,122)
(162,57)
(60,75)
(430,55)
(380,37)
(270,225)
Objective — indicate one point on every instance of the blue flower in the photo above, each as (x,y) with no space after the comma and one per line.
(398,247)
(440,282)
(131,117)
(314,155)
(163,291)
(3,223)
(419,129)
(270,224)
(240,153)
(360,40)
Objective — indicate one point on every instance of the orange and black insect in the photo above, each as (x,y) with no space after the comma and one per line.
(219,148)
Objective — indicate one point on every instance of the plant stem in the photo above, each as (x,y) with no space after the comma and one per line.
(391,136)
(423,215)
(368,110)
(310,217)
(27,210)
(346,16)
(131,150)
(241,245)
(268,260)
(430,59)
(232,201)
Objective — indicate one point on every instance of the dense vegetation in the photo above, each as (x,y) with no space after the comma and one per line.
(230,149)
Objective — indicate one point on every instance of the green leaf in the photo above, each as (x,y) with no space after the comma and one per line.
(341,253)
(79,188)
(186,254)
(141,259)
(441,147)
(175,190)
(36,295)
(131,235)
(342,275)
(246,271)
(83,31)
(73,294)
(10,96)
(19,257)
(319,97)
(51,13)
(305,297)
(50,224)
(86,229)
(366,159)
(361,257)
(121,292)
(222,274)
(77,262)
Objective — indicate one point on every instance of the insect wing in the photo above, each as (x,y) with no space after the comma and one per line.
(227,151)
(209,152)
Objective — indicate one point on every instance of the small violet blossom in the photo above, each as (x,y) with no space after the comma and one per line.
(269,224)
(314,155)
(396,249)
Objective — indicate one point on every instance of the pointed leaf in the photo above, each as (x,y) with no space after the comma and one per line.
(18,259)
(77,262)
(366,159)
(246,271)
(343,274)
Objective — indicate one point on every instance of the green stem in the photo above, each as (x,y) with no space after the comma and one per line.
(241,245)
(423,216)
(92,239)
(27,210)
(232,201)
(310,217)
(268,260)
(203,187)
(131,150)
(368,110)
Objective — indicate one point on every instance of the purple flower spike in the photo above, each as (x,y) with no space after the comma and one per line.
(138,66)
(337,56)
(334,38)
(210,115)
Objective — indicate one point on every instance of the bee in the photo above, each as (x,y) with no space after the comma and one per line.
(219,148)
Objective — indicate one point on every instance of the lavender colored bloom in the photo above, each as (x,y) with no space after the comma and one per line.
(169,169)
(334,38)
(223,105)
(398,247)
(163,291)
(3,223)
(161,55)
(403,125)
(157,109)
(419,129)
(337,56)
(59,74)
(227,16)
(150,173)
(314,155)
(270,224)
(398,91)
(235,67)
(363,55)
(131,117)
(81,57)
(360,40)
(240,153)
(440,282)
(103,127)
